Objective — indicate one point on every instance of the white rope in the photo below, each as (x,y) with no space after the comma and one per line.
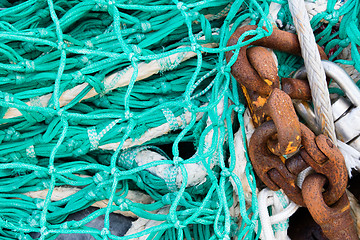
(275,226)
(239,171)
(60,193)
(316,73)
(116,80)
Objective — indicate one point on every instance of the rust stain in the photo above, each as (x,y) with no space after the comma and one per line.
(260,102)
(268,82)
(290,148)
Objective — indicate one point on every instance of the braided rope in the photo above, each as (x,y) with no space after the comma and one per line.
(316,73)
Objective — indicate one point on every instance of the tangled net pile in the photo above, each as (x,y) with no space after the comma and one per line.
(75,115)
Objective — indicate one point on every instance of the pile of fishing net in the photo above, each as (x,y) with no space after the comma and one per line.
(130,107)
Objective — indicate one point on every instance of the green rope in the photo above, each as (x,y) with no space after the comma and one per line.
(50,47)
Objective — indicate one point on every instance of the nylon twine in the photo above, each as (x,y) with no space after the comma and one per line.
(130,106)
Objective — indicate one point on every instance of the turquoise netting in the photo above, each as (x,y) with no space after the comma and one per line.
(90,141)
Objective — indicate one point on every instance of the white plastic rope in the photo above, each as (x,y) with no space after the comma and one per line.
(316,73)
(116,80)
(275,226)
(351,155)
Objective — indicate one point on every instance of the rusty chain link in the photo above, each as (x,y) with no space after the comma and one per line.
(335,221)
(279,133)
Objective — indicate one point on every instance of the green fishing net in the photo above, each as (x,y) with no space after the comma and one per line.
(120,101)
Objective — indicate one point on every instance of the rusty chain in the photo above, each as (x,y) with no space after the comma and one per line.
(279,133)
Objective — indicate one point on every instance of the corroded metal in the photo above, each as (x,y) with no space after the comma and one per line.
(279,107)
(264,161)
(263,63)
(333,168)
(279,132)
(335,220)
(262,60)
(296,88)
(277,172)
(242,70)
(296,163)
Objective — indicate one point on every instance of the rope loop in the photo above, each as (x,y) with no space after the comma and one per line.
(44,231)
(20,78)
(11,134)
(100,177)
(132,57)
(128,115)
(178,225)
(29,47)
(115,172)
(52,170)
(178,160)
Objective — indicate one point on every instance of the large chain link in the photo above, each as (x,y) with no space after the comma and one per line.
(280,133)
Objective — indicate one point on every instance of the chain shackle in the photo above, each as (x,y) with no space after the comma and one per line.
(317,152)
(255,70)
(325,158)
(276,106)
(271,168)
(242,70)
(296,88)
(279,107)
(335,220)
(262,60)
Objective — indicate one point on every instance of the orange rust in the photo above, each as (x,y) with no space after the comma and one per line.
(290,149)
(279,40)
(335,220)
(317,152)
(269,167)
(296,88)
(268,82)
(280,108)
(260,102)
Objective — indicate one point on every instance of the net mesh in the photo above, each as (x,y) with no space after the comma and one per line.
(130,106)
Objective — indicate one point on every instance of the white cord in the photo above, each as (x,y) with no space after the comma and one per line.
(316,73)
(275,226)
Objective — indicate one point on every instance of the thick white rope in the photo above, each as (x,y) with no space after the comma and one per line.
(316,73)
(116,80)
(239,171)
(63,192)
